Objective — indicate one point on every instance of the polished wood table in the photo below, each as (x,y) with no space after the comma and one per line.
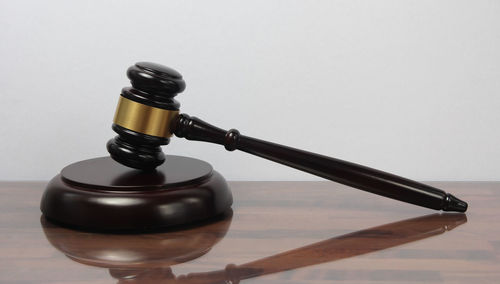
(277,232)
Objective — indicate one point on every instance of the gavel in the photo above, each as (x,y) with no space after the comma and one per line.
(148,115)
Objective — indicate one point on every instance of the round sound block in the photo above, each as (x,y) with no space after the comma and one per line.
(101,194)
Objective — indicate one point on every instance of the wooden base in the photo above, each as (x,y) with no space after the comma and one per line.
(101,194)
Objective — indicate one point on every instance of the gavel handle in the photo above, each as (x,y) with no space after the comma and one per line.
(351,174)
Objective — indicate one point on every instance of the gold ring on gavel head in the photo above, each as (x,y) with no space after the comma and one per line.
(144,119)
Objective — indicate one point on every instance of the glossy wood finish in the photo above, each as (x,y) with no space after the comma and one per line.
(101,194)
(351,174)
(155,85)
(279,232)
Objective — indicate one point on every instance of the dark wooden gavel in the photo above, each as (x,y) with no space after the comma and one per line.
(147,115)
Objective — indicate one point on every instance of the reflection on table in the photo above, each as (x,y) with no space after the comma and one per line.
(147,258)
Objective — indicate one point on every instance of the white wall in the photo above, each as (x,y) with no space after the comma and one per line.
(410,87)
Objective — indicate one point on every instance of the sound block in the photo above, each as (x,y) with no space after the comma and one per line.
(101,194)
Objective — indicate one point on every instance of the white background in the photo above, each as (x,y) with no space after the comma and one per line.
(410,87)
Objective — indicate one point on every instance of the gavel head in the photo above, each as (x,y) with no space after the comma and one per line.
(145,115)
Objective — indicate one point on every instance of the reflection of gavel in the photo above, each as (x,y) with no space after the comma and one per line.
(345,246)
(147,259)
(147,115)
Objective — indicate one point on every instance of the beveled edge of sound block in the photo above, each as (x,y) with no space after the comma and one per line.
(114,207)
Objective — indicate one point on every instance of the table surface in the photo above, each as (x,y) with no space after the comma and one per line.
(293,232)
